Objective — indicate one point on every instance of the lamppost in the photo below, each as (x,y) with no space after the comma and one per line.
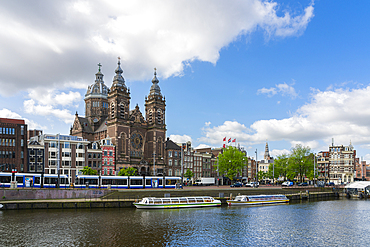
(255,184)
(182,163)
(154,163)
(314,169)
(58,167)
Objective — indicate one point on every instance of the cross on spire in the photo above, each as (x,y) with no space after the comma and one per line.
(99,64)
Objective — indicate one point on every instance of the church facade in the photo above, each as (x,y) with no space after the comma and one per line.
(139,140)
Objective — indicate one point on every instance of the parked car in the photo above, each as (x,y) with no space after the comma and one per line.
(330,184)
(303,184)
(287,183)
(237,184)
(252,184)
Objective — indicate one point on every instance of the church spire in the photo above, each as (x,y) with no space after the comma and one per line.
(118,79)
(155,89)
(267,153)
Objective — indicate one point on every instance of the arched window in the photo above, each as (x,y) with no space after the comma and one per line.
(112,109)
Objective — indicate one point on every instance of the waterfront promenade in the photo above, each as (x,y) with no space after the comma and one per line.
(103,198)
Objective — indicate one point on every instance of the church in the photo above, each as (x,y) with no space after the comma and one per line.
(139,141)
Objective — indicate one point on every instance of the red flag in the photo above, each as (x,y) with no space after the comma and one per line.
(234,140)
(229,140)
(224,145)
(224,139)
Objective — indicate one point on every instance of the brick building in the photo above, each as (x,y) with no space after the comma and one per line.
(139,141)
(13,145)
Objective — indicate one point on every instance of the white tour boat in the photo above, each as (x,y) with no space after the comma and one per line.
(177,202)
(257,200)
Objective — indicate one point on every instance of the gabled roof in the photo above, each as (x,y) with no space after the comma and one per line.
(103,126)
(85,124)
(171,145)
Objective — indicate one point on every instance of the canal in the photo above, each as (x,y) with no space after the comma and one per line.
(343,222)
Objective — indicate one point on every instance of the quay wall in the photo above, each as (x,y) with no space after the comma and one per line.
(91,198)
(39,194)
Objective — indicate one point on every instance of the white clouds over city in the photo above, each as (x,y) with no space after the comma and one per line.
(78,34)
(341,114)
(282,88)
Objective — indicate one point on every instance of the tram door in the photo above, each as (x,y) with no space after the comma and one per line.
(155,183)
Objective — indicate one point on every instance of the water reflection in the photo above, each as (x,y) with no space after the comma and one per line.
(322,223)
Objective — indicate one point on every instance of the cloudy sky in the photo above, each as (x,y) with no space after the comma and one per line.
(287,72)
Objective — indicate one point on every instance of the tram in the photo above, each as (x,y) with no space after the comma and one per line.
(125,182)
(33,180)
(87,181)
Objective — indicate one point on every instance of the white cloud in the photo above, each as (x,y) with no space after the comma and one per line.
(71,37)
(202,146)
(180,138)
(31,107)
(276,152)
(6,113)
(342,114)
(52,97)
(283,88)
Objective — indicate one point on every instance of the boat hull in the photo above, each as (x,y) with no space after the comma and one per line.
(254,203)
(169,206)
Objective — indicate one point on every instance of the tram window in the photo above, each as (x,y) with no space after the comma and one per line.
(5,179)
(19,180)
(160,181)
(37,180)
(148,182)
(121,181)
(136,182)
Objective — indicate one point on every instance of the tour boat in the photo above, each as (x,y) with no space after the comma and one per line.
(1,206)
(257,200)
(177,202)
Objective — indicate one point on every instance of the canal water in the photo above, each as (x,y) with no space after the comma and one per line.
(342,222)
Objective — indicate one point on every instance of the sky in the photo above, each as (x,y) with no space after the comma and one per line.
(285,72)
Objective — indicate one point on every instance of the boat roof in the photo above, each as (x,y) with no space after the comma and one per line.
(358,185)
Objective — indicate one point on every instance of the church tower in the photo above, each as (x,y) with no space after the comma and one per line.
(155,108)
(96,102)
(119,97)
(267,153)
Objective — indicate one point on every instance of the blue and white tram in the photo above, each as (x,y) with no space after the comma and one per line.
(124,182)
(33,180)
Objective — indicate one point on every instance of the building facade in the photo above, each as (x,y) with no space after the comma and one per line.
(13,145)
(36,157)
(342,163)
(63,153)
(139,142)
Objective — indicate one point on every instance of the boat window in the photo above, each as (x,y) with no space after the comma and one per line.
(183,200)
(175,200)
(199,199)
(166,200)
(191,200)
(157,201)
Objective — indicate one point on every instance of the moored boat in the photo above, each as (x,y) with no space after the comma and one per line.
(177,202)
(244,200)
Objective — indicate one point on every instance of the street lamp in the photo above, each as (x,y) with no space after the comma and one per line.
(255,184)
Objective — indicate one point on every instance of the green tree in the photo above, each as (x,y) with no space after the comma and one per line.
(280,167)
(189,174)
(88,171)
(261,175)
(129,171)
(300,162)
(230,162)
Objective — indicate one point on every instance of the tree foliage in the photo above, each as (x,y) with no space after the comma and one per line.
(230,162)
(188,174)
(298,164)
(129,171)
(88,171)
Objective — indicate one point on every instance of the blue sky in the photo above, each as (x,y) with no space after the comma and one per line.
(289,72)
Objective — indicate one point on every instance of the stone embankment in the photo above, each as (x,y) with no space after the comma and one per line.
(102,198)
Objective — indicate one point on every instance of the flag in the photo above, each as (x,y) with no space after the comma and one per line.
(224,139)
(224,146)
(234,140)
(229,140)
